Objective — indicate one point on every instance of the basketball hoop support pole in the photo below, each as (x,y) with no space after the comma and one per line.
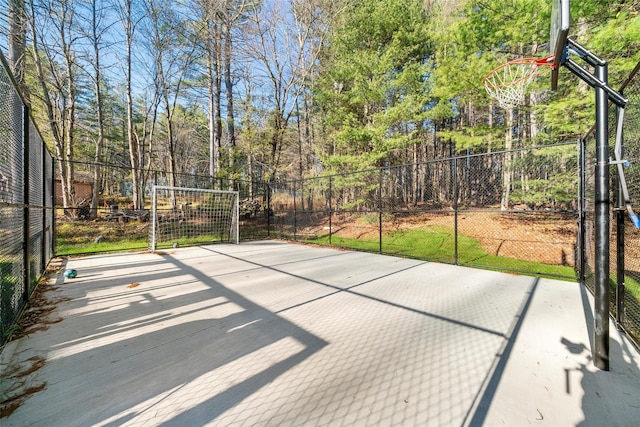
(593,80)
(601,318)
(599,81)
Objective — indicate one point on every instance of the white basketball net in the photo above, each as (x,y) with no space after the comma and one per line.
(508,82)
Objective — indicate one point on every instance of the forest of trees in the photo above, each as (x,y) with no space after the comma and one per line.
(289,89)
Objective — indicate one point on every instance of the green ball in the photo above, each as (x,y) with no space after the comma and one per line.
(70,274)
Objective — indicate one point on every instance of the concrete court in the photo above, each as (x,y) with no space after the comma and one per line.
(271,333)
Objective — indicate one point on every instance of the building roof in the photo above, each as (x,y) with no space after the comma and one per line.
(79,177)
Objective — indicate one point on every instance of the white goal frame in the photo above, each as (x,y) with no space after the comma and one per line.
(187,215)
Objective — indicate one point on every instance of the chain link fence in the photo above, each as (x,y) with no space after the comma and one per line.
(624,255)
(510,210)
(26,204)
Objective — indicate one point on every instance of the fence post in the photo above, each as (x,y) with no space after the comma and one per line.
(602,224)
(43,177)
(26,222)
(620,214)
(620,266)
(380,210)
(295,213)
(54,234)
(582,250)
(330,209)
(455,211)
(268,210)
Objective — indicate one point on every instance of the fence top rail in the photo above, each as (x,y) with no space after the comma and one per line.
(436,160)
(128,167)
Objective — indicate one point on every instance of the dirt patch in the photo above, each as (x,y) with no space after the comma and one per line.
(544,237)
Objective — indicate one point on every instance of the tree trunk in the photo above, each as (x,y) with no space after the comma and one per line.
(17,42)
(138,201)
(217,95)
(213,93)
(299,128)
(506,163)
(211,115)
(60,118)
(228,85)
(99,113)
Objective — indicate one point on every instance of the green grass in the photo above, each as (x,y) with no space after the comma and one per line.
(437,243)
(631,317)
(429,243)
(632,286)
(66,248)
(78,237)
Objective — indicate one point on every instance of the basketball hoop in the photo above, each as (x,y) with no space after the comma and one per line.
(508,82)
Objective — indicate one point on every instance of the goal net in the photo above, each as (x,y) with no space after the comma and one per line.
(192,216)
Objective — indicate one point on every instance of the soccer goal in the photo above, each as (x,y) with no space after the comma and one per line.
(192,216)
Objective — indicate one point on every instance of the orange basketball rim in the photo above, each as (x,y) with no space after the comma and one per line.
(508,82)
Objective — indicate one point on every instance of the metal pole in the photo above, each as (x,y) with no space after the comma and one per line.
(601,315)
(43,205)
(599,81)
(54,231)
(455,211)
(330,209)
(237,214)
(268,210)
(582,249)
(154,214)
(295,213)
(620,214)
(380,211)
(26,220)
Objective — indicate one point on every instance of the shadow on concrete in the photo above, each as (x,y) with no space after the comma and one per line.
(226,339)
(186,346)
(350,289)
(477,416)
(155,345)
(596,384)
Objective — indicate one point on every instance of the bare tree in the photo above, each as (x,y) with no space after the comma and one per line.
(129,24)
(219,21)
(53,38)
(233,12)
(95,32)
(212,35)
(278,53)
(173,52)
(17,42)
